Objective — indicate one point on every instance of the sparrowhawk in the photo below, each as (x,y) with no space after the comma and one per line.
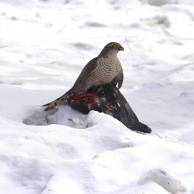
(101,70)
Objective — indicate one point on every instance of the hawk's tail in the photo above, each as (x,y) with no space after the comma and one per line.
(55,103)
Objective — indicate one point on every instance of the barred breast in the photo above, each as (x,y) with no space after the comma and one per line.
(107,69)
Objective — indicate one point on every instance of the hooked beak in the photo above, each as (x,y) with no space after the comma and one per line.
(121,48)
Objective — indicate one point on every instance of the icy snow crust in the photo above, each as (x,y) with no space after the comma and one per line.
(44,46)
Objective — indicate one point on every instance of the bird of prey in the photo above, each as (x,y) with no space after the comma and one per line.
(101,70)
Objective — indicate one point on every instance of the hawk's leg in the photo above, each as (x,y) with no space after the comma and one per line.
(108,106)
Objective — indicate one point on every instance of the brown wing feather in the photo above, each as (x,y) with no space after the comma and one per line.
(118,80)
(90,66)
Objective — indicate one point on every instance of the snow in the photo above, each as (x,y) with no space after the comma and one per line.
(43,47)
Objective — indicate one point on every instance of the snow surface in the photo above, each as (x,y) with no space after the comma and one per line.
(43,47)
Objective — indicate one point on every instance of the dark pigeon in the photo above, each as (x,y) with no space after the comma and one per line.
(109,100)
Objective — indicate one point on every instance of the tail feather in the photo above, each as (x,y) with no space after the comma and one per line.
(56,102)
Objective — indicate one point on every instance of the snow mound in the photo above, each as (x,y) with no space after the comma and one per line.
(165,180)
(44,46)
(63,115)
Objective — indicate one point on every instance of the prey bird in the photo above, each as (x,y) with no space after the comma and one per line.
(101,70)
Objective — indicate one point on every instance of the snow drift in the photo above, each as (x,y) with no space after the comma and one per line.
(44,46)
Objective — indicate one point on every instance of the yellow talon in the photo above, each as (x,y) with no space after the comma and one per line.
(108,106)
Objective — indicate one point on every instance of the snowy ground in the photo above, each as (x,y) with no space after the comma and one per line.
(43,47)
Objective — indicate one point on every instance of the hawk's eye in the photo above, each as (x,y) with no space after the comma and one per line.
(115,46)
